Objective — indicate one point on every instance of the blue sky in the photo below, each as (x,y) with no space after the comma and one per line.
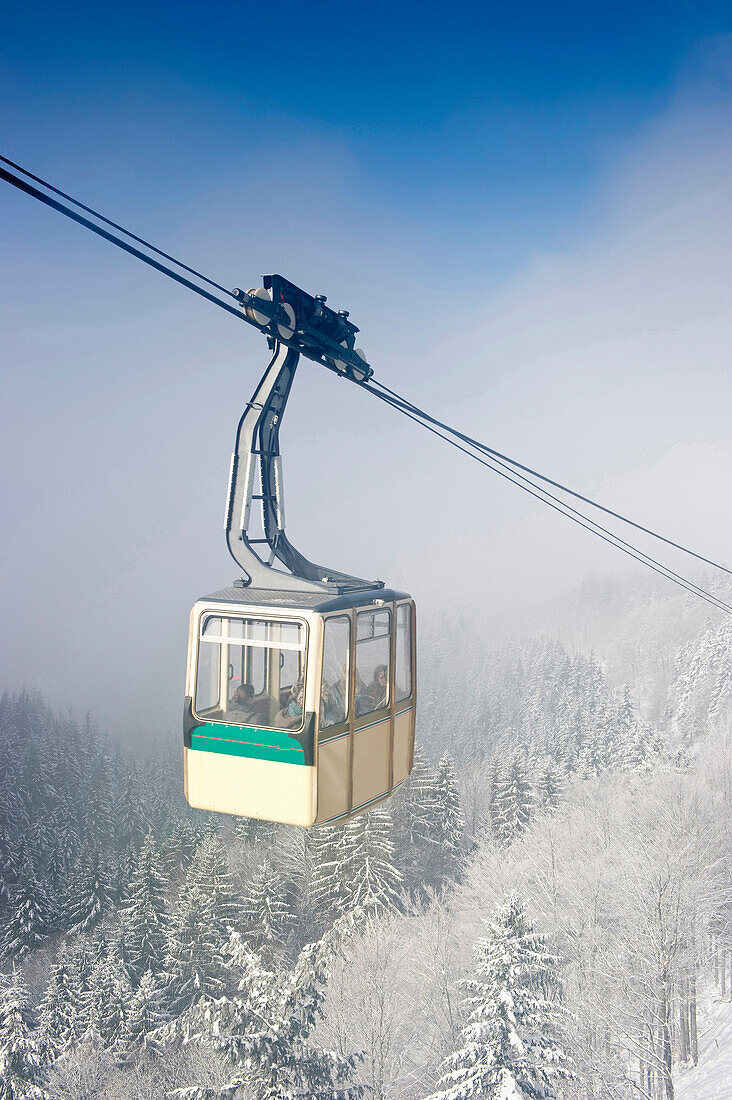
(481,123)
(527,210)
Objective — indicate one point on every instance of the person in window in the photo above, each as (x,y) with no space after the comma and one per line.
(332,705)
(378,689)
(241,708)
(290,716)
(362,701)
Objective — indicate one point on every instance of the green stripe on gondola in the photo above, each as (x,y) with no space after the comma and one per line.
(256,744)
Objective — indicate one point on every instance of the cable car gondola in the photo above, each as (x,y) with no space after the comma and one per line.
(301,682)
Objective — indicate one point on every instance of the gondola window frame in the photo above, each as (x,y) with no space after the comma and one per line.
(251,644)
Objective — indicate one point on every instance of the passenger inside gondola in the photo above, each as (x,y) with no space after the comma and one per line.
(242,708)
(362,701)
(290,717)
(378,689)
(332,705)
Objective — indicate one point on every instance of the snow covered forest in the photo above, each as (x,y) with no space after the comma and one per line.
(539,912)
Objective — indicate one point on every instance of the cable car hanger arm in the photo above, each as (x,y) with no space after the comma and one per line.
(257,457)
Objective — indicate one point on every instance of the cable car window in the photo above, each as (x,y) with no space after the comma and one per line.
(251,672)
(403,672)
(334,686)
(373,652)
(208,678)
(290,667)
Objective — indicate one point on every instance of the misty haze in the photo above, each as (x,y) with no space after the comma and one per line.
(535,254)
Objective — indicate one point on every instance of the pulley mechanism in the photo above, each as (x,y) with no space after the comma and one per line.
(306,324)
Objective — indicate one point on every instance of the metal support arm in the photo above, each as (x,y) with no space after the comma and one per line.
(257,450)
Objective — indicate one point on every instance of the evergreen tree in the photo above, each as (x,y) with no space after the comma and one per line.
(67,842)
(210,872)
(369,877)
(144,918)
(549,783)
(266,1030)
(89,895)
(8,869)
(21,1052)
(266,917)
(61,1008)
(144,1014)
(179,847)
(192,964)
(449,823)
(416,824)
(324,888)
(108,995)
(510,1048)
(493,782)
(28,915)
(130,815)
(513,798)
(253,830)
(589,757)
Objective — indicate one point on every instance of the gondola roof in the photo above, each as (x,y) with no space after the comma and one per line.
(303,600)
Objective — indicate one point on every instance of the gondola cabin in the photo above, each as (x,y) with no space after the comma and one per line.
(300,707)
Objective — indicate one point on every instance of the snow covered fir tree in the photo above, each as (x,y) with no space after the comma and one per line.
(510,1047)
(149,950)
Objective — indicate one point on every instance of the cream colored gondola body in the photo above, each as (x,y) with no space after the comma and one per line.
(335,761)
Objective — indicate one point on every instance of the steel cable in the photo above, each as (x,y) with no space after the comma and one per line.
(485,449)
(567,510)
(114,225)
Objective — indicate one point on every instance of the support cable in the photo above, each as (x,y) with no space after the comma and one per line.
(120,228)
(485,449)
(55,205)
(571,513)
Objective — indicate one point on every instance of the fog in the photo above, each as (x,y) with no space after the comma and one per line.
(604,363)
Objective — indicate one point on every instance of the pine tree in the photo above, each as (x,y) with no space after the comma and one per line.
(252,830)
(266,917)
(323,890)
(449,823)
(21,1052)
(8,869)
(510,1048)
(144,1014)
(549,783)
(61,1007)
(108,994)
(513,798)
(368,875)
(416,823)
(29,918)
(192,964)
(130,816)
(179,847)
(266,1030)
(144,917)
(67,843)
(590,760)
(90,895)
(210,872)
